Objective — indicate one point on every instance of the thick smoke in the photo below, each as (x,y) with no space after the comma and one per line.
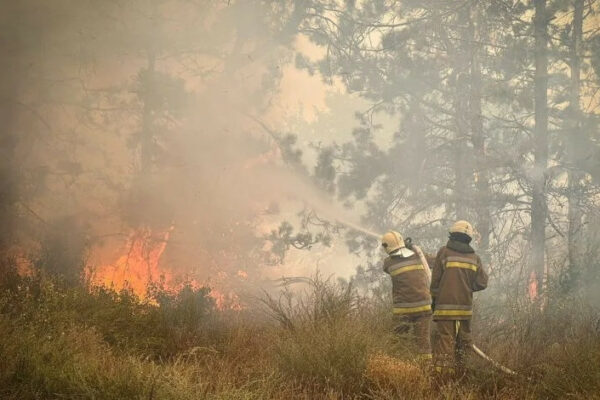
(162,116)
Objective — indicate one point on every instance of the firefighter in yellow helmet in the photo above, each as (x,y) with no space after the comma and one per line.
(457,273)
(410,292)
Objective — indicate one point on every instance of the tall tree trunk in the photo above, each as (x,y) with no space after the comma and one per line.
(482,186)
(575,176)
(539,207)
(143,207)
(462,168)
(147,134)
(9,139)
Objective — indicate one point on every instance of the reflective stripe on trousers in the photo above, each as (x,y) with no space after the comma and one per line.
(452,310)
(409,308)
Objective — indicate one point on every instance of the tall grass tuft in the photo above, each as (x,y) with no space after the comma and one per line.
(326,341)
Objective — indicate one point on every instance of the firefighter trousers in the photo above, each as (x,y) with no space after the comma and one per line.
(451,344)
(419,329)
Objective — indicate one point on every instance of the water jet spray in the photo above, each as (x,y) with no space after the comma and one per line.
(358,228)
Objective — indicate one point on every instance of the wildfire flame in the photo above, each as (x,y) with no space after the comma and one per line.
(533,287)
(140,267)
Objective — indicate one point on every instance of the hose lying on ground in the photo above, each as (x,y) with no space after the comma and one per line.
(495,363)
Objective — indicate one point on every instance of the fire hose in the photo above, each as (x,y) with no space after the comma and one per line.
(419,252)
(495,363)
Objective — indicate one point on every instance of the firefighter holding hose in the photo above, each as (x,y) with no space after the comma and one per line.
(410,291)
(457,273)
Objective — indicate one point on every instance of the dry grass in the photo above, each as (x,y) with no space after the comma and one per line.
(391,375)
(328,343)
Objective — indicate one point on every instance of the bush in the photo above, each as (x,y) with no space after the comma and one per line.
(327,339)
(159,327)
(74,362)
(66,342)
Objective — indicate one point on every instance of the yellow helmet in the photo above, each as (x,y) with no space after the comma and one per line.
(392,241)
(463,227)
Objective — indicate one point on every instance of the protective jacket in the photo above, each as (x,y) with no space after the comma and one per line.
(457,273)
(410,289)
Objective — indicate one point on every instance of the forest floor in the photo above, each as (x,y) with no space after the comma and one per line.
(67,342)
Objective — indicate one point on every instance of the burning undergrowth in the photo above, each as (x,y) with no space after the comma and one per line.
(142,269)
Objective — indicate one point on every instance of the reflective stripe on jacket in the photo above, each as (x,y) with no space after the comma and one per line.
(455,277)
(410,289)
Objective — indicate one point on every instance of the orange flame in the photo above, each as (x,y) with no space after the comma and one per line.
(140,267)
(533,287)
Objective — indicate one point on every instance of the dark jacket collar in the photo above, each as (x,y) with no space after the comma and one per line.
(459,246)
